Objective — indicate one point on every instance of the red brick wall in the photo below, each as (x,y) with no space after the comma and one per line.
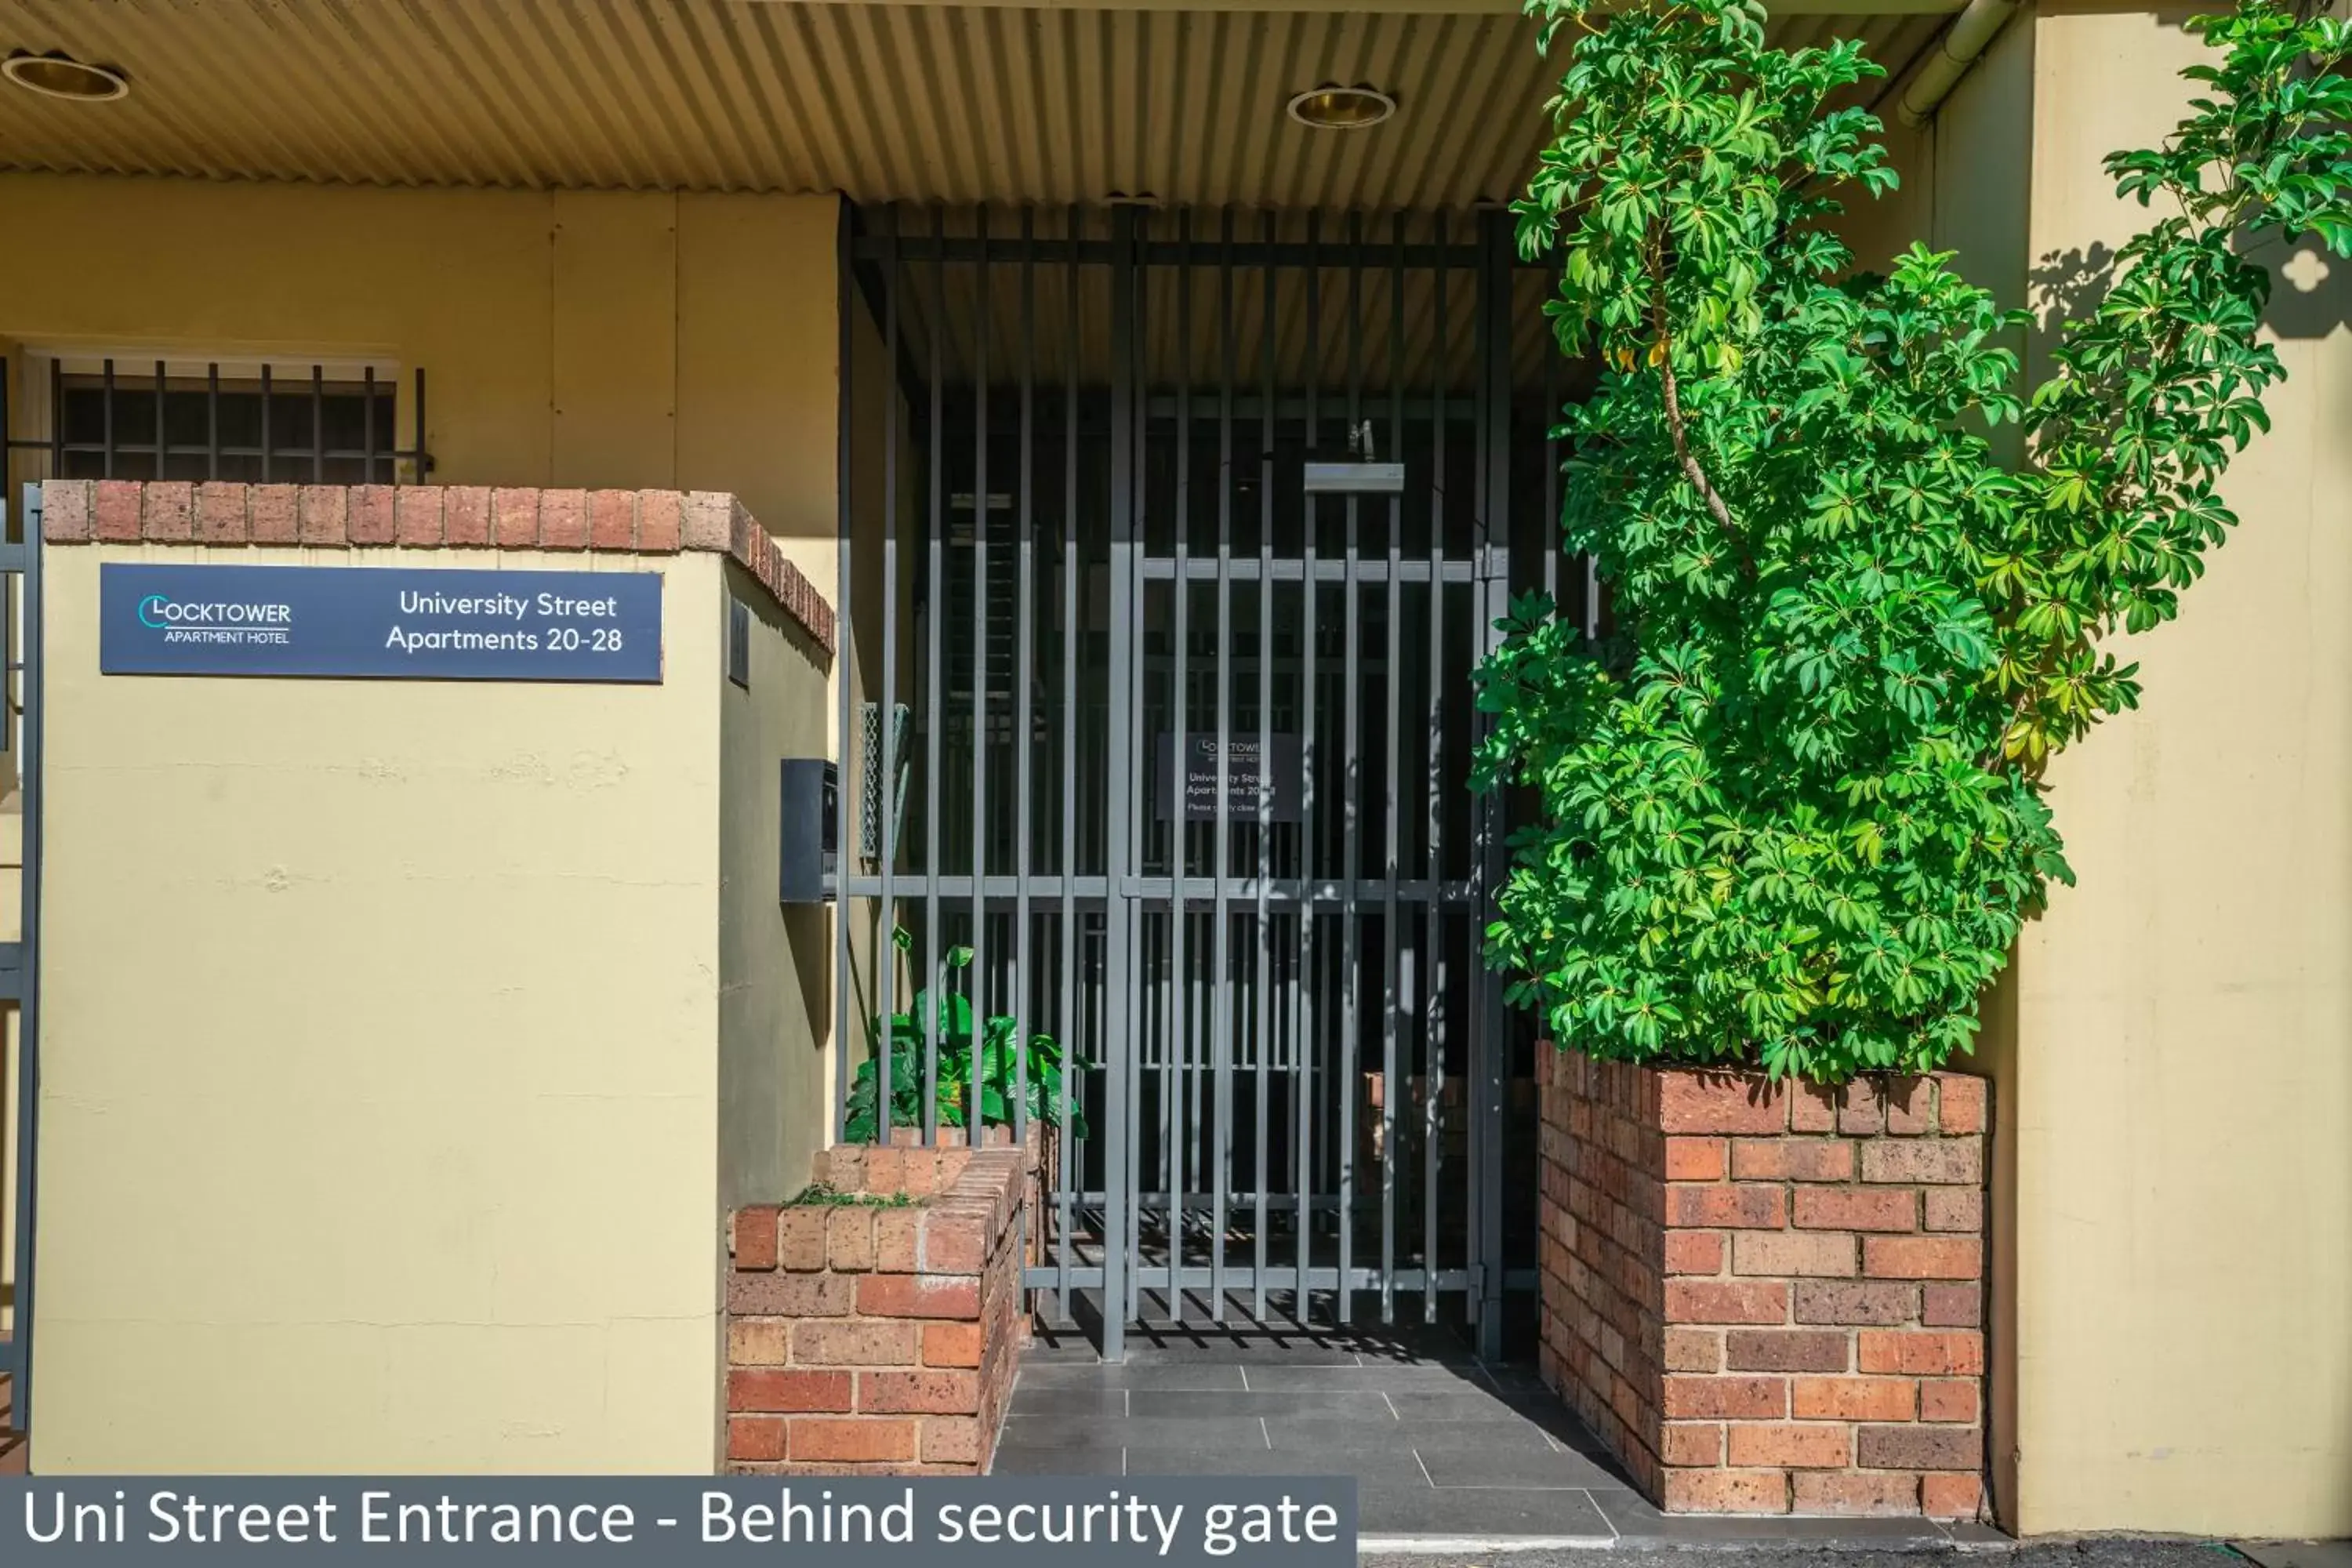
(447,517)
(1768,1300)
(876,1340)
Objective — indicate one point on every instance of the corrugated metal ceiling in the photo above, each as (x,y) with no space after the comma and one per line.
(964,104)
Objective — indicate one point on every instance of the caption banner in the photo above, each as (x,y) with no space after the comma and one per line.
(1307,1521)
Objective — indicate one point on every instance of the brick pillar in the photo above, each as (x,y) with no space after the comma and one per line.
(1767,1300)
(879,1339)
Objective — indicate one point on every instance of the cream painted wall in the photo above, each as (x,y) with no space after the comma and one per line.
(571,338)
(2172,1049)
(568,338)
(1966,188)
(2184,1018)
(381,1124)
(775,965)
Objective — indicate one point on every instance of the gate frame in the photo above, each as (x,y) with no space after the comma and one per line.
(20,959)
(1128,254)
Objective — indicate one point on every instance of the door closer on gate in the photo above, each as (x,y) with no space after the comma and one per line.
(1361,475)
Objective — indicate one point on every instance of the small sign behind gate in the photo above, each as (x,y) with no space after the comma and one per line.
(380,622)
(1247,772)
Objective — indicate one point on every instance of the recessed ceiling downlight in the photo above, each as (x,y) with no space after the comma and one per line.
(1333,108)
(62,76)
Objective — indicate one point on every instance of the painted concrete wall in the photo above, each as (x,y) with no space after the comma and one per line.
(2172,1050)
(384,1030)
(569,338)
(775,963)
(2184,1018)
(1966,188)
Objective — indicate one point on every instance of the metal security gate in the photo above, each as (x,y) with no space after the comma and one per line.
(20,750)
(1169,541)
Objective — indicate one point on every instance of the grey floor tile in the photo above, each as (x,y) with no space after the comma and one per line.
(1629,1511)
(1051,1432)
(1473,1440)
(1028,1399)
(1181,1375)
(1362,1405)
(1280,1350)
(1475,1404)
(1318,1436)
(1638,1523)
(1544,1415)
(1019,1460)
(1489,1466)
(1180,1460)
(1121,1432)
(1387,1377)
(1396,1468)
(1968,1532)
(1402,1511)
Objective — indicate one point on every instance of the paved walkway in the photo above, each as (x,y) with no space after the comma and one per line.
(1448,1454)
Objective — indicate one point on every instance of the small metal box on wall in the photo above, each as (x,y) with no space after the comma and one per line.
(809,849)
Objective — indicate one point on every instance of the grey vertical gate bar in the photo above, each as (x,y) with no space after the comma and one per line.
(1128,803)
(974,1110)
(317,424)
(1351,810)
(1117,910)
(1481,819)
(1550,539)
(1221,1106)
(843,660)
(1064,1143)
(885,948)
(935,697)
(57,424)
(1023,743)
(28,1005)
(1302,1005)
(1265,732)
(1433,1114)
(1495,286)
(1392,1001)
(1180,834)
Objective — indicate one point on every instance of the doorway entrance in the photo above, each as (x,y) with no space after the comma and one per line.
(1169,543)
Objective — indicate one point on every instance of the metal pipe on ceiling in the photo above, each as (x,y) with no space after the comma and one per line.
(1970,34)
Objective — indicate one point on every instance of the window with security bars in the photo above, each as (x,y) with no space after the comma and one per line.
(265,424)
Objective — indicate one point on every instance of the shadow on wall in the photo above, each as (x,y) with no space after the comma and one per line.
(2311,291)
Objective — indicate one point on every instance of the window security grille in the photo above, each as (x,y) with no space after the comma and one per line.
(265,425)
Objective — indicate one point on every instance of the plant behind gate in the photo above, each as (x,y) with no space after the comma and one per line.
(1794,814)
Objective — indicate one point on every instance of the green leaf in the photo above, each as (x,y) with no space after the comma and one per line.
(1792,811)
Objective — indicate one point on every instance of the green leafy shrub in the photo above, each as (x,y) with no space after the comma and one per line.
(1007,1067)
(1794,814)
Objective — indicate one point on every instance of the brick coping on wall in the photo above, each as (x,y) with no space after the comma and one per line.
(432,517)
(868,1338)
(1766,1298)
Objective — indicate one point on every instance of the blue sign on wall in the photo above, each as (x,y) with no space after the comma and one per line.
(380,622)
